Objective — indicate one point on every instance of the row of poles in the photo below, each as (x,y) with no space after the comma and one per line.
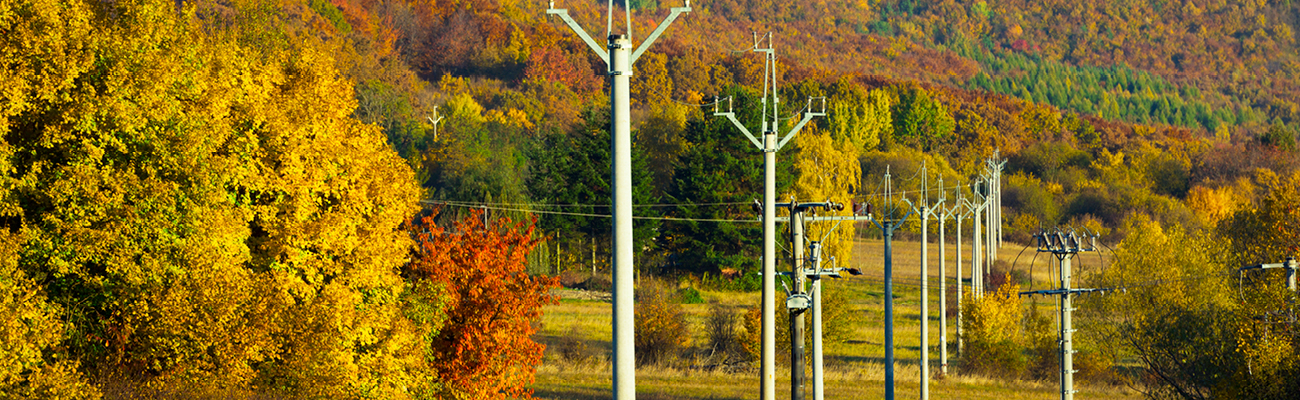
(985,208)
(619,57)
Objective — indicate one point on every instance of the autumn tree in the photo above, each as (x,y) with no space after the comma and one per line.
(989,334)
(195,198)
(859,117)
(828,170)
(920,120)
(718,167)
(485,348)
(572,170)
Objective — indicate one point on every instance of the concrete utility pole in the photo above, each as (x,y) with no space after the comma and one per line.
(434,121)
(943,214)
(959,214)
(798,300)
(993,177)
(619,58)
(1064,245)
(887,228)
(996,165)
(977,262)
(815,274)
(769,145)
(926,212)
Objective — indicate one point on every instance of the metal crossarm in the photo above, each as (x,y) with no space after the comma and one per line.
(564,15)
(1064,245)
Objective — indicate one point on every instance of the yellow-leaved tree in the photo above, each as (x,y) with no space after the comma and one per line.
(990,332)
(188,191)
(828,169)
(859,117)
(1175,315)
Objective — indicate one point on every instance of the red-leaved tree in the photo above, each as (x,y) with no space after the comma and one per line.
(484,349)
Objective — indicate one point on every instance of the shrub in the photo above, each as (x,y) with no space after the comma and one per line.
(572,348)
(991,324)
(1003,274)
(738,282)
(688,295)
(838,319)
(724,341)
(660,322)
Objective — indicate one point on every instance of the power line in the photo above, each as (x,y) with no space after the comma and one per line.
(575,214)
(540,205)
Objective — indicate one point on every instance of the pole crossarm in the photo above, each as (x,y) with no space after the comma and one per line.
(1057,292)
(807,116)
(897,223)
(732,117)
(818,218)
(1289,264)
(649,40)
(564,15)
(1065,245)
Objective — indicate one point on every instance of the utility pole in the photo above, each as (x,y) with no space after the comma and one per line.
(798,300)
(959,214)
(977,265)
(434,121)
(993,178)
(926,212)
(1064,245)
(996,165)
(619,58)
(943,214)
(887,228)
(815,274)
(769,145)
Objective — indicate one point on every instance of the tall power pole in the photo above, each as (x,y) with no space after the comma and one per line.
(769,145)
(1064,245)
(619,58)
(976,259)
(943,214)
(996,165)
(926,212)
(798,299)
(887,228)
(959,214)
(815,274)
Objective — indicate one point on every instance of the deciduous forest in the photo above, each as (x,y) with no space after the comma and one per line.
(374,198)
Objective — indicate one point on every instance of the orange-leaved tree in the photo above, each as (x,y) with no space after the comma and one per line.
(485,349)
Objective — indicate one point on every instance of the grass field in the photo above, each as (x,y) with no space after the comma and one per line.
(855,368)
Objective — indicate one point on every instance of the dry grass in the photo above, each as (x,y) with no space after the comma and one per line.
(591,380)
(855,368)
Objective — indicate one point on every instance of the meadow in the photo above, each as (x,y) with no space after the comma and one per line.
(854,368)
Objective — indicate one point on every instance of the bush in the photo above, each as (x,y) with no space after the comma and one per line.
(586,281)
(739,282)
(572,348)
(838,320)
(660,322)
(1003,274)
(724,341)
(688,295)
(992,345)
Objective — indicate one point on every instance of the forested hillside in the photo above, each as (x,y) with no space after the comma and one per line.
(904,81)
